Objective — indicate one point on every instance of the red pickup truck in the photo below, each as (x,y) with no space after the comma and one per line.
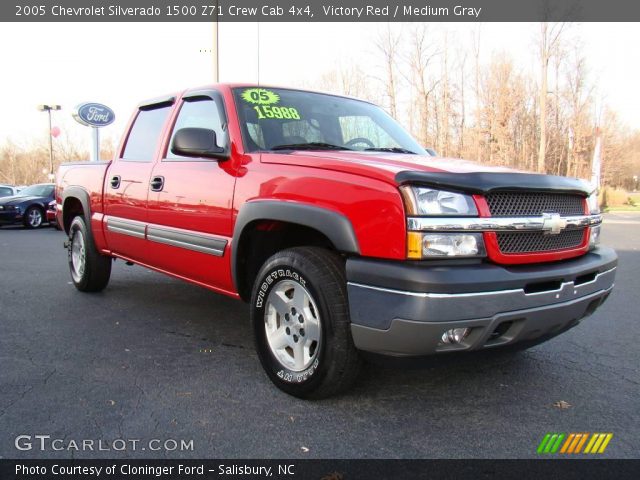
(339,229)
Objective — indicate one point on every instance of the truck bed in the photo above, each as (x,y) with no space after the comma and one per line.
(89,176)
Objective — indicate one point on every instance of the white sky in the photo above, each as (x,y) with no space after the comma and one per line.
(120,64)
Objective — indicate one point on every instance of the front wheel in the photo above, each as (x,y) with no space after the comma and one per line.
(90,271)
(301,325)
(33,217)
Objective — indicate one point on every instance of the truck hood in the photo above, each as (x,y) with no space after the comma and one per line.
(380,165)
(437,172)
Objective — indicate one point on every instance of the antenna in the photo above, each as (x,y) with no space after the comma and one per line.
(216,43)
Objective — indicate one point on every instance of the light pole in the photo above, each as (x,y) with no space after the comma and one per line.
(48,109)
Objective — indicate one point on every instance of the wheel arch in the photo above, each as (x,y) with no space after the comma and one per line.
(75,200)
(319,226)
(37,205)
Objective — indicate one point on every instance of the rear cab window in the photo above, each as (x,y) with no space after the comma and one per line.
(145,134)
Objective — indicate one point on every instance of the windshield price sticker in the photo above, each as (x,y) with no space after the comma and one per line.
(264,104)
(268,111)
(260,96)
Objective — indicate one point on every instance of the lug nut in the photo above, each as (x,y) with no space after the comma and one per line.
(293,311)
(295,338)
(300,318)
(302,332)
(286,317)
(288,331)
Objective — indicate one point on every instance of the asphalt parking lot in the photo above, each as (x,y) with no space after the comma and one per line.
(156,358)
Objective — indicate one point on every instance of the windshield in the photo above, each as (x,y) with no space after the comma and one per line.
(37,191)
(282,119)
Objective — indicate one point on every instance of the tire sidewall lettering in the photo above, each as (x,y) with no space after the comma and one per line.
(277,274)
(298,377)
(268,281)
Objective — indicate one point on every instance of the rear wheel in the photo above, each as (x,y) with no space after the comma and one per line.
(33,217)
(301,325)
(90,271)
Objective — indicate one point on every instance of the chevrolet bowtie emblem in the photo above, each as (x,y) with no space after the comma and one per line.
(553,223)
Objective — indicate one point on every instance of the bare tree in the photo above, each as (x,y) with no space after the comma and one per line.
(350,81)
(421,55)
(549,39)
(476,55)
(579,108)
(388,44)
(462,124)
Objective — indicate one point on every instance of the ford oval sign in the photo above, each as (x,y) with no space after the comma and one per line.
(94,115)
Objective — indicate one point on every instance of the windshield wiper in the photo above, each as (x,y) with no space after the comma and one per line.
(309,146)
(390,149)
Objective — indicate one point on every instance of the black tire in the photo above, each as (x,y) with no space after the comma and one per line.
(96,268)
(33,217)
(335,362)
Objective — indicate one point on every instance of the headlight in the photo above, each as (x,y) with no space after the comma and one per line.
(429,245)
(592,203)
(427,201)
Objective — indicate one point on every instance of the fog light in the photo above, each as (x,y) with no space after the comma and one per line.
(455,335)
(594,237)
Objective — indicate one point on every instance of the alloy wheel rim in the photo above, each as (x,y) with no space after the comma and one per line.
(78,260)
(292,325)
(35,218)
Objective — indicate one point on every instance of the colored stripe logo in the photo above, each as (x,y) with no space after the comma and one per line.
(573,443)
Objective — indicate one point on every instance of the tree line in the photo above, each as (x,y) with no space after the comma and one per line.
(459,100)
(493,111)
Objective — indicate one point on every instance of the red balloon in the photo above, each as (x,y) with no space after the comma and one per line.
(55,132)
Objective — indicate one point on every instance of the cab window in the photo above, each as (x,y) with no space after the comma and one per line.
(145,134)
(199,113)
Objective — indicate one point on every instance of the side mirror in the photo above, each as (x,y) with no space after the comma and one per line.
(197,142)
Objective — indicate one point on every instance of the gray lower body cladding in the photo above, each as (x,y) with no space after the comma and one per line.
(408,316)
(176,237)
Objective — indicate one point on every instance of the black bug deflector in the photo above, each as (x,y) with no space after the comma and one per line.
(485,182)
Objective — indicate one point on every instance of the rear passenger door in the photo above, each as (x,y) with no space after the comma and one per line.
(190,216)
(127,182)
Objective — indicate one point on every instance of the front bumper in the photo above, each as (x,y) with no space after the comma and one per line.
(10,217)
(403,308)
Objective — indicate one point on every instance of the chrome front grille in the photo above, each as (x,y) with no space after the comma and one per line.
(509,204)
(532,242)
(515,204)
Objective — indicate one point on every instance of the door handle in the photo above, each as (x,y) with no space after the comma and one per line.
(157,183)
(115,181)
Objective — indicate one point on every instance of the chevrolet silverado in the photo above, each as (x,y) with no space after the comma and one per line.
(338,228)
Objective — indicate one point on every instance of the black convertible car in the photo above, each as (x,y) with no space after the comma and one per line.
(27,207)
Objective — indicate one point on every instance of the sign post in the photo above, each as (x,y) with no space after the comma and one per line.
(96,116)
(95,144)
